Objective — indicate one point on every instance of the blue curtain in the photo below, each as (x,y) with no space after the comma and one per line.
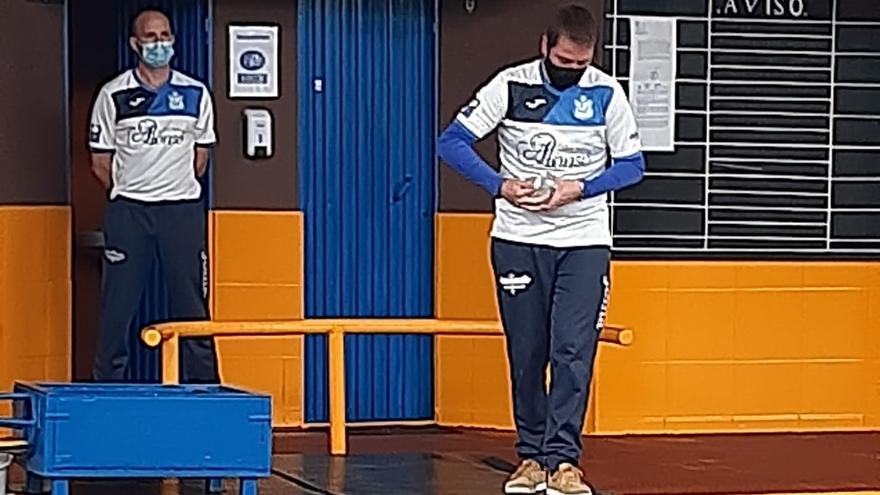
(367,187)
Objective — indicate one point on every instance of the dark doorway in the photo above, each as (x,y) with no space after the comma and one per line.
(98,32)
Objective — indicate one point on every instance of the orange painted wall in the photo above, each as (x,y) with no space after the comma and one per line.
(257,262)
(35,295)
(720,346)
(257,274)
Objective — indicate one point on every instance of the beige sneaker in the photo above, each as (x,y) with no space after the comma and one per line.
(529,477)
(568,480)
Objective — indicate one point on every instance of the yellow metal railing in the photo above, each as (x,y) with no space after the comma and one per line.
(167,335)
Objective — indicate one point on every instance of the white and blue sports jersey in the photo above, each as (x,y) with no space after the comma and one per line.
(566,134)
(152,134)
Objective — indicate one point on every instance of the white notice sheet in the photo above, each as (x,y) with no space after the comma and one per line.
(652,80)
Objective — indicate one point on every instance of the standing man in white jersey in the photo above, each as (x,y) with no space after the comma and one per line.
(150,133)
(558,120)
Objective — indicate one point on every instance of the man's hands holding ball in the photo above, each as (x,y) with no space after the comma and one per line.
(542,194)
(516,191)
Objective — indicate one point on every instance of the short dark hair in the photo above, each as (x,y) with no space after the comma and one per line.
(575,22)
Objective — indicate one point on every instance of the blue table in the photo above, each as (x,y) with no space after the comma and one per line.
(88,431)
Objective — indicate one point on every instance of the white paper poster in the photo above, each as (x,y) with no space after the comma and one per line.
(253,61)
(652,80)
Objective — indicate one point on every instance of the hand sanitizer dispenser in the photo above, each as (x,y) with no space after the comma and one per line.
(257,133)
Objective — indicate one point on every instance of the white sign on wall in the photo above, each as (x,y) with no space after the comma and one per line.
(253,61)
(652,80)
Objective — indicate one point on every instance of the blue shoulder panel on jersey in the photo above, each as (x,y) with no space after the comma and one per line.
(529,102)
(581,106)
(173,99)
(170,99)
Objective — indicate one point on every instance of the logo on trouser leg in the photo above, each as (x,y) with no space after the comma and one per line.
(603,310)
(204,258)
(114,256)
(514,283)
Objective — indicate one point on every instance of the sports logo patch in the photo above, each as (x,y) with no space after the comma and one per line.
(514,284)
(536,103)
(603,309)
(204,258)
(469,109)
(94,133)
(113,256)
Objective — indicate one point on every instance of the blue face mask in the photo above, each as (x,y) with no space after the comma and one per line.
(157,54)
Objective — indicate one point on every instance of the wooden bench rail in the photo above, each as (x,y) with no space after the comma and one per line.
(154,335)
(168,335)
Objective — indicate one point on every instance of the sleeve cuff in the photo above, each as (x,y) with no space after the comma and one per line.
(470,127)
(626,153)
(100,149)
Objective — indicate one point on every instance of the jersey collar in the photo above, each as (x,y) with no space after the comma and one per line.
(146,86)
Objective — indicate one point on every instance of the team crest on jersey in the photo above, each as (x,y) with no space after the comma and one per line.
(583,108)
(175,101)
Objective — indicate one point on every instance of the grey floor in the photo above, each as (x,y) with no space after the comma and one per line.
(472,462)
(307,474)
(429,474)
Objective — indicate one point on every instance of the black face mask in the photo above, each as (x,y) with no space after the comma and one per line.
(561,77)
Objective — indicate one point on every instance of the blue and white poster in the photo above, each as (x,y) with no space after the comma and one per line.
(253,59)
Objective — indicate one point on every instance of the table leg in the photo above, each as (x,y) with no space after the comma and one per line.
(60,487)
(215,485)
(248,487)
(34,484)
